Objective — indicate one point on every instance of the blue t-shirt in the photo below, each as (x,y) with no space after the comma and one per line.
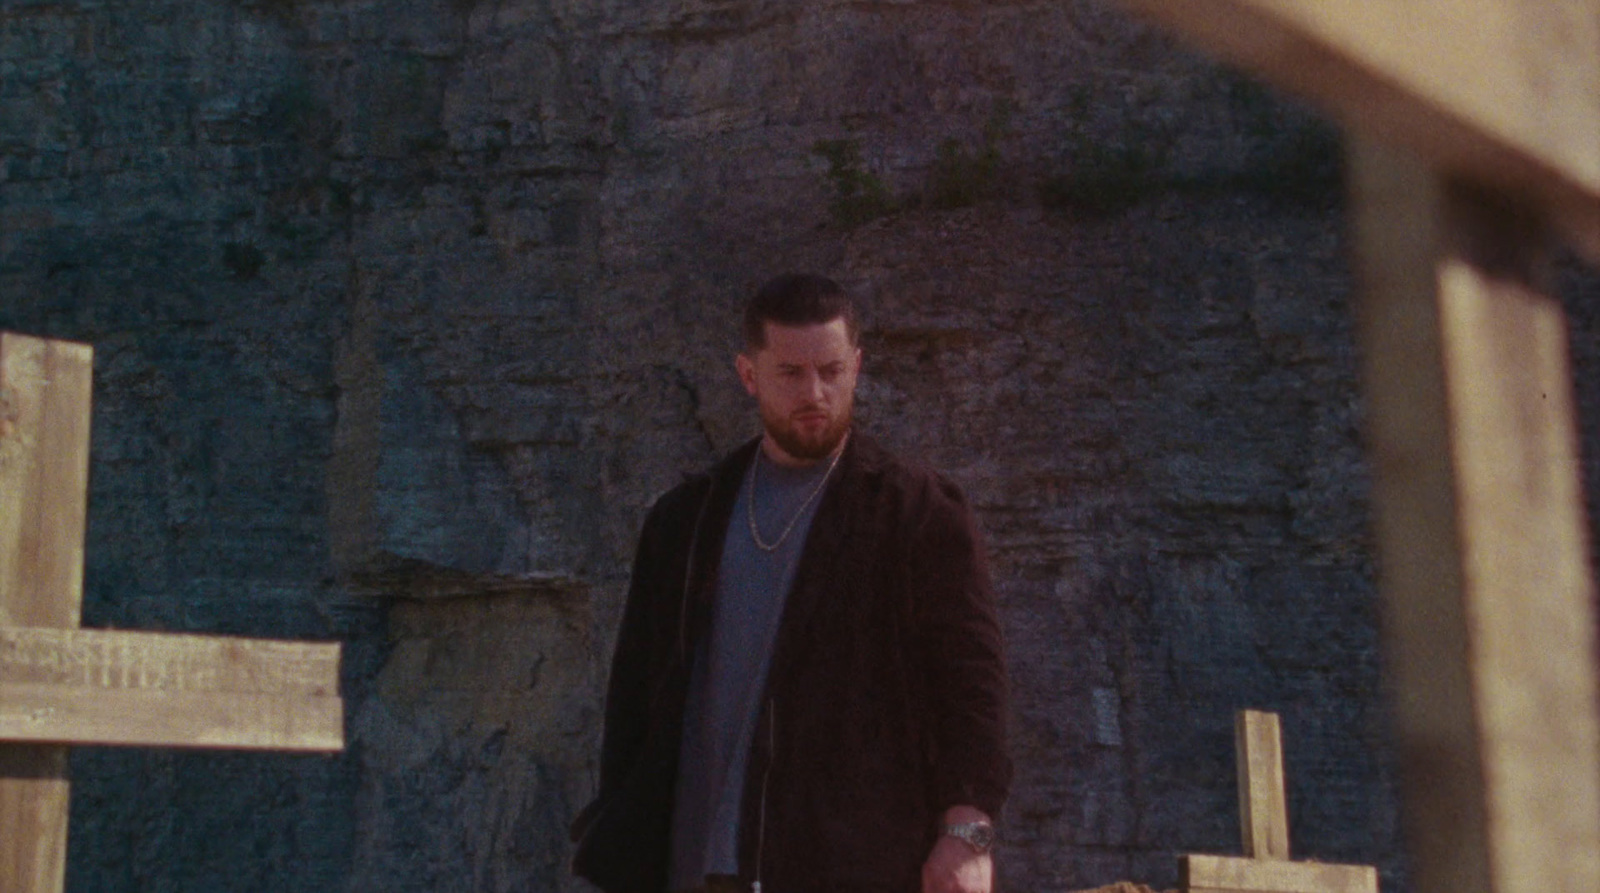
(729,677)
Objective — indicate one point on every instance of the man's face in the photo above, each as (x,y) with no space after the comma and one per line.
(804,382)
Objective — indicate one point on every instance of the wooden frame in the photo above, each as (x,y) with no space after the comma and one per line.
(1478,141)
(60,685)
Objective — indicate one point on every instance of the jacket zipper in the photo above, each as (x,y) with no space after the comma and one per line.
(688,575)
(766,776)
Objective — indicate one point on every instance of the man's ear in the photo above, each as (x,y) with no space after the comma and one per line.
(747,372)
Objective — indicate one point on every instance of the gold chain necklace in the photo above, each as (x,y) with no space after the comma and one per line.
(750,503)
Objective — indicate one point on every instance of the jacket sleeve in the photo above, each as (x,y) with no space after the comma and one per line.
(958,647)
(627,704)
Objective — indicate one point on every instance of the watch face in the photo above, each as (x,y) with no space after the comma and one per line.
(979,834)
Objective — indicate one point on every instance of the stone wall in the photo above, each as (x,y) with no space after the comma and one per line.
(406,310)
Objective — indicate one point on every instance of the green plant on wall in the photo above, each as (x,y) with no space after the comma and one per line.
(1291,155)
(1102,179)
(1109,171)
(858,195)
(960,178)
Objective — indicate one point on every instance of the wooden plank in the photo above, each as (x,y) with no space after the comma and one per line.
(166,718)
(44,477)
(120,659)
(33,818)
(1230,874)
(45,393)
(1504,93)
(1263,803)
(121,687)
(1483,559)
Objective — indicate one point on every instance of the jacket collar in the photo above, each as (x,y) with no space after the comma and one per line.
(862,457)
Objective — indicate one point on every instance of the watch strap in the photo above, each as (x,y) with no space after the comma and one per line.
(978,835)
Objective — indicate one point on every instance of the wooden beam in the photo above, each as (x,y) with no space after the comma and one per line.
(1481,530)
(44,477)
(124,659)
(1503,93)
(163,689)
(1230,874)
(167,718)
(45,394)
(61,685)
(1263,803)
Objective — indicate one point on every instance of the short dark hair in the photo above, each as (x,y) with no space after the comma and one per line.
(797,299)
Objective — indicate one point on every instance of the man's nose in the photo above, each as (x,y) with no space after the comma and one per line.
(813,387)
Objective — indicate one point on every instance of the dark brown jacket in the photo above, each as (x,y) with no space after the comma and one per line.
(886,699)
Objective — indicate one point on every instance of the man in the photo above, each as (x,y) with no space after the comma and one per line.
(808,692)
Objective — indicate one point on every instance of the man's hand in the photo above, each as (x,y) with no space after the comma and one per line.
(955,866)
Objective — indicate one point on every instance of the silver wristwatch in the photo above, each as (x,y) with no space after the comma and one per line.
(978,835)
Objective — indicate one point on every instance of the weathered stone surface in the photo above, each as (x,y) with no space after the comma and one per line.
(1150,474)
(476,744)
(406,310)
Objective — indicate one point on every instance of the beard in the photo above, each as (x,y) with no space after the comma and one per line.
(802,444)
